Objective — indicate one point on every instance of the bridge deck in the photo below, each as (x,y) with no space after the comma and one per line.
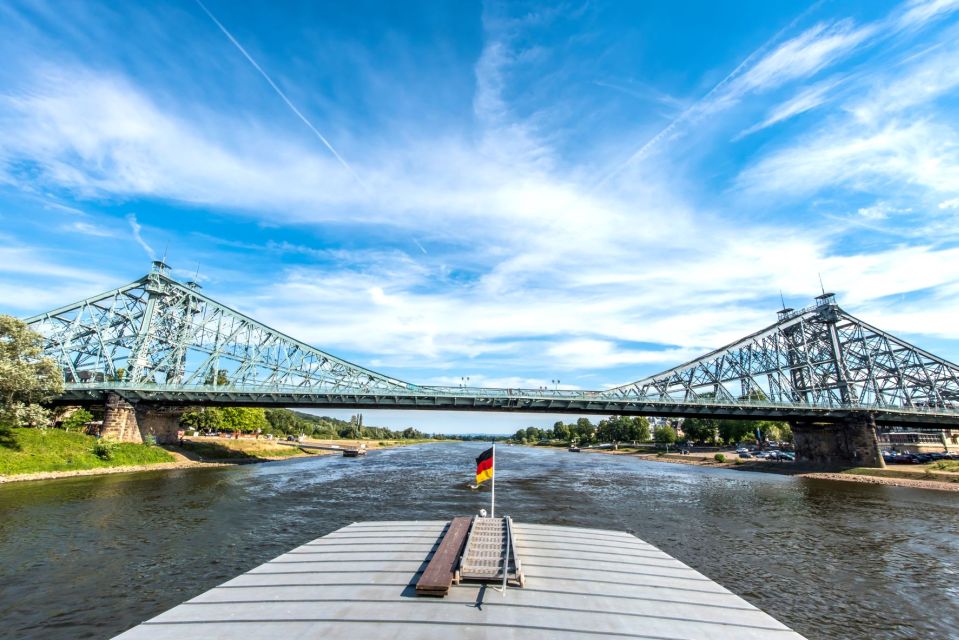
(358,582)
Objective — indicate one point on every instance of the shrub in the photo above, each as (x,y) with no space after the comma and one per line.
(103,449)
(719,457)
(150,440)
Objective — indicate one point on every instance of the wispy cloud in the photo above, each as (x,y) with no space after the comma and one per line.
(136,229)
(804,101)
(528,268)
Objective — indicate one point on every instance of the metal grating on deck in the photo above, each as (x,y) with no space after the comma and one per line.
(359,582)
(490,539)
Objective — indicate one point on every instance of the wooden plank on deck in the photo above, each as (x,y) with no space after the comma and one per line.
(438,575)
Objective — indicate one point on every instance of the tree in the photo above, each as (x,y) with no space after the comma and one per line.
(639,429)
(244,419)
(520,436)
(221,379)
(560,431)
(733,431)
(666,434)
(77,419)
(26,377)
(584,431)
(206,419)
(701,429)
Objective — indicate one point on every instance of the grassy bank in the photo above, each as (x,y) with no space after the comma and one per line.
(35,450)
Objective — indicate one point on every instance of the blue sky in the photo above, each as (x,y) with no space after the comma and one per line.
(514,192)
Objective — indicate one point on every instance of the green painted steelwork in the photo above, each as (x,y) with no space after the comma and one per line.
(160,341)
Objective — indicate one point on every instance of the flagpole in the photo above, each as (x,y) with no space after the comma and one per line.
(492,506)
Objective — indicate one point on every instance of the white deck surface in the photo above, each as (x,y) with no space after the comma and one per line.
(358,582)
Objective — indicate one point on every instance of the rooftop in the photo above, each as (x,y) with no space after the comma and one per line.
(358,582)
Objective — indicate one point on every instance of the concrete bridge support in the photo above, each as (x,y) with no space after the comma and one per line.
(124,422)
(852,443)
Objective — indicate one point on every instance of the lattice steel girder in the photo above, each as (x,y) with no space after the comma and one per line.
(158,340)
(820,356)
(157,330)
(485,400)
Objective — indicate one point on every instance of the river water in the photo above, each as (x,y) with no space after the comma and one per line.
(90,557)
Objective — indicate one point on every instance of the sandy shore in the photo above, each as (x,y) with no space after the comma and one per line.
(896,482)
(50,475)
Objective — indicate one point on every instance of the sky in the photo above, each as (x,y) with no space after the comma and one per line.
(518,193)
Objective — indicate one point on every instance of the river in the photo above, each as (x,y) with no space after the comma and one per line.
(90,557)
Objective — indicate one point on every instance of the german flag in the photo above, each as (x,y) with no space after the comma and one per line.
(484,466)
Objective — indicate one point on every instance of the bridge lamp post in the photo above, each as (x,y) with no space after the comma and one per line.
(464,382)
(555,384)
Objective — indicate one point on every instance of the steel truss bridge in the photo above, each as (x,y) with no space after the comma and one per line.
(158,341)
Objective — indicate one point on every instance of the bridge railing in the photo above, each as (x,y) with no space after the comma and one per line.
(486,393)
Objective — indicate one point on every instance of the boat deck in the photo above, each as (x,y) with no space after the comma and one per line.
(359,582)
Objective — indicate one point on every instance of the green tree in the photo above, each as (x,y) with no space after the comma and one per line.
(285,421)
(27,379)
(639,429)
(77,419)
(665,434)
(203,418)
(560,431)
(221,379)
(520,436)
(244,419)
(584,431)
(703,430)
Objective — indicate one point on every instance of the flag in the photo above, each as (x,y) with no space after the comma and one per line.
(484,466)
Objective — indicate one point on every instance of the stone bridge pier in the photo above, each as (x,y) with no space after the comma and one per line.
(851,443)
(125,422)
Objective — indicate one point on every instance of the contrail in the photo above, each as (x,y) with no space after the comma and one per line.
(696,106)
(280,93)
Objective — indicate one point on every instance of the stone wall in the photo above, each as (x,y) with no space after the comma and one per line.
(852,443)
(122,422)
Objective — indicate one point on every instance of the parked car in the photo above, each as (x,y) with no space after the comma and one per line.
(745,454)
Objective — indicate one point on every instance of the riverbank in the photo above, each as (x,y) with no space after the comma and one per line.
(915,476)
(32,454)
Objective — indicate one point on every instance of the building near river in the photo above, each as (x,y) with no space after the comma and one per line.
(899,439)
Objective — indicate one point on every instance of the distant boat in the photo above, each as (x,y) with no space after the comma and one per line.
(353,453)
(574,449)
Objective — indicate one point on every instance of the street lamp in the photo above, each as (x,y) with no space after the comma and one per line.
(555,384)
(464,382)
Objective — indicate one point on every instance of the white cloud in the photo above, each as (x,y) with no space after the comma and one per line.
(89,229)
(919,153)
(560,276)
(949,204)
(920,12)
(804,101)
(802,56)
(34,282)
(881,210)
(138,236)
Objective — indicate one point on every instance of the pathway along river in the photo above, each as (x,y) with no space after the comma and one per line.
(89,557)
